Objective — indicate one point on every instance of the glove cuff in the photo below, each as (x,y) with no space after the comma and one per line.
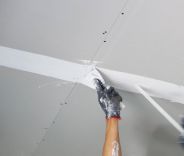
(114,117)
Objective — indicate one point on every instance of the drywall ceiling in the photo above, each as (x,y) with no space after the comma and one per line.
(69,30)
(142,37)
(28,106)
(149,42)
(145,40)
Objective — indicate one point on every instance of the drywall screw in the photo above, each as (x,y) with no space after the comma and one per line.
(105,32)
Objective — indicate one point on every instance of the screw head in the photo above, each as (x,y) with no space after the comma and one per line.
(104,32)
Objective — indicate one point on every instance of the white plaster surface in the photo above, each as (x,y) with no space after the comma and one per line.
(85,74)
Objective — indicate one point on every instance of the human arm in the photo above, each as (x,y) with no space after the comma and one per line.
(109,100)
(112,146)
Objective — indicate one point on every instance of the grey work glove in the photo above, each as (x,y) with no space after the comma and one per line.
(109,100)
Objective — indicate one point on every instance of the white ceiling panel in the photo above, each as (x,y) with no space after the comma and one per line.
(149,42)
(66,29)
(79,128)
(28,104)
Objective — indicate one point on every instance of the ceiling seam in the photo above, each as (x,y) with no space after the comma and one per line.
(106,33)
(76,83)
(43,138)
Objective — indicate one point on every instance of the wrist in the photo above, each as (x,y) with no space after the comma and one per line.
(113,114)
(112,121)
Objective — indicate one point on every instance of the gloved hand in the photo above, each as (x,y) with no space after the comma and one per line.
(109,100)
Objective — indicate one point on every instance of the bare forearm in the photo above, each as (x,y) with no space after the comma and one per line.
(109,100)
(112,145)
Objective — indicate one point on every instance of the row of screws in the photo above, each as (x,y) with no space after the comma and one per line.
(105,32)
